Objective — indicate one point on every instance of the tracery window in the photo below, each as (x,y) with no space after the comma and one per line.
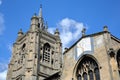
(89,69)
(46,53)
(118,61)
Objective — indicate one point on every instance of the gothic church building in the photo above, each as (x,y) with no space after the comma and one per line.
(37,55)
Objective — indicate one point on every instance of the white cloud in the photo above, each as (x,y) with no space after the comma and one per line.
(3,71)
(1,24)
(3,75)
(70,30)
(51,30)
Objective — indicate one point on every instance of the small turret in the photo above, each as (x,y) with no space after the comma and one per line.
(56,33)
(20,33)
(34,22)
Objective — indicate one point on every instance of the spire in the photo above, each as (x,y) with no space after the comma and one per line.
(41,21)
(40,12)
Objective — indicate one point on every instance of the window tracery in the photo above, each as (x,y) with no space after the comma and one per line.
(89,70)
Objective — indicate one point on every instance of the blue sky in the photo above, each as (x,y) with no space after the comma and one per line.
(69,16)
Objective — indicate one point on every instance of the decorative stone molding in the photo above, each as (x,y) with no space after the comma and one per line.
(111,52)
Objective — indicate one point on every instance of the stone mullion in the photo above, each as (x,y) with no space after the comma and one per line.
(50,55)
(82,77)
(94,76)
(87,77)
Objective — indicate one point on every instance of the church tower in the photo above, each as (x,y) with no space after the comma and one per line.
(36,54)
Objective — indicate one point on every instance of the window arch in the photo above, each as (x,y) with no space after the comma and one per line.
(88,68)
(46,52)
(118,61)
(23,47)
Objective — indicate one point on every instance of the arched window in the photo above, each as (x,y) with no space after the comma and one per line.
(118,61)
(88,68)
(38,25)
(46,52)
(23,47)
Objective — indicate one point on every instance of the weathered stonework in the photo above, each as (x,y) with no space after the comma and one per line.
(37,55)
(102,54)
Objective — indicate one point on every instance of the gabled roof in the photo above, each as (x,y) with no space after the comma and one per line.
(91,35)
(115,38)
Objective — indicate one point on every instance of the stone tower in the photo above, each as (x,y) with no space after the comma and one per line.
(36,54)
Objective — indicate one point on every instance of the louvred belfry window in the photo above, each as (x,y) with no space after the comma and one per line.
(88,69)
(46,53)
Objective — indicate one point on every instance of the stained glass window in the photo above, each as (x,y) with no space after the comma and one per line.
(89,69)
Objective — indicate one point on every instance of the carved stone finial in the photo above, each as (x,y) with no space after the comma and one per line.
(20,32)
(65,49)
(83,31)
(35,14)
(105,28)
(46,25)
(40,5)
(111,52)
(40,11)
(56,32)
